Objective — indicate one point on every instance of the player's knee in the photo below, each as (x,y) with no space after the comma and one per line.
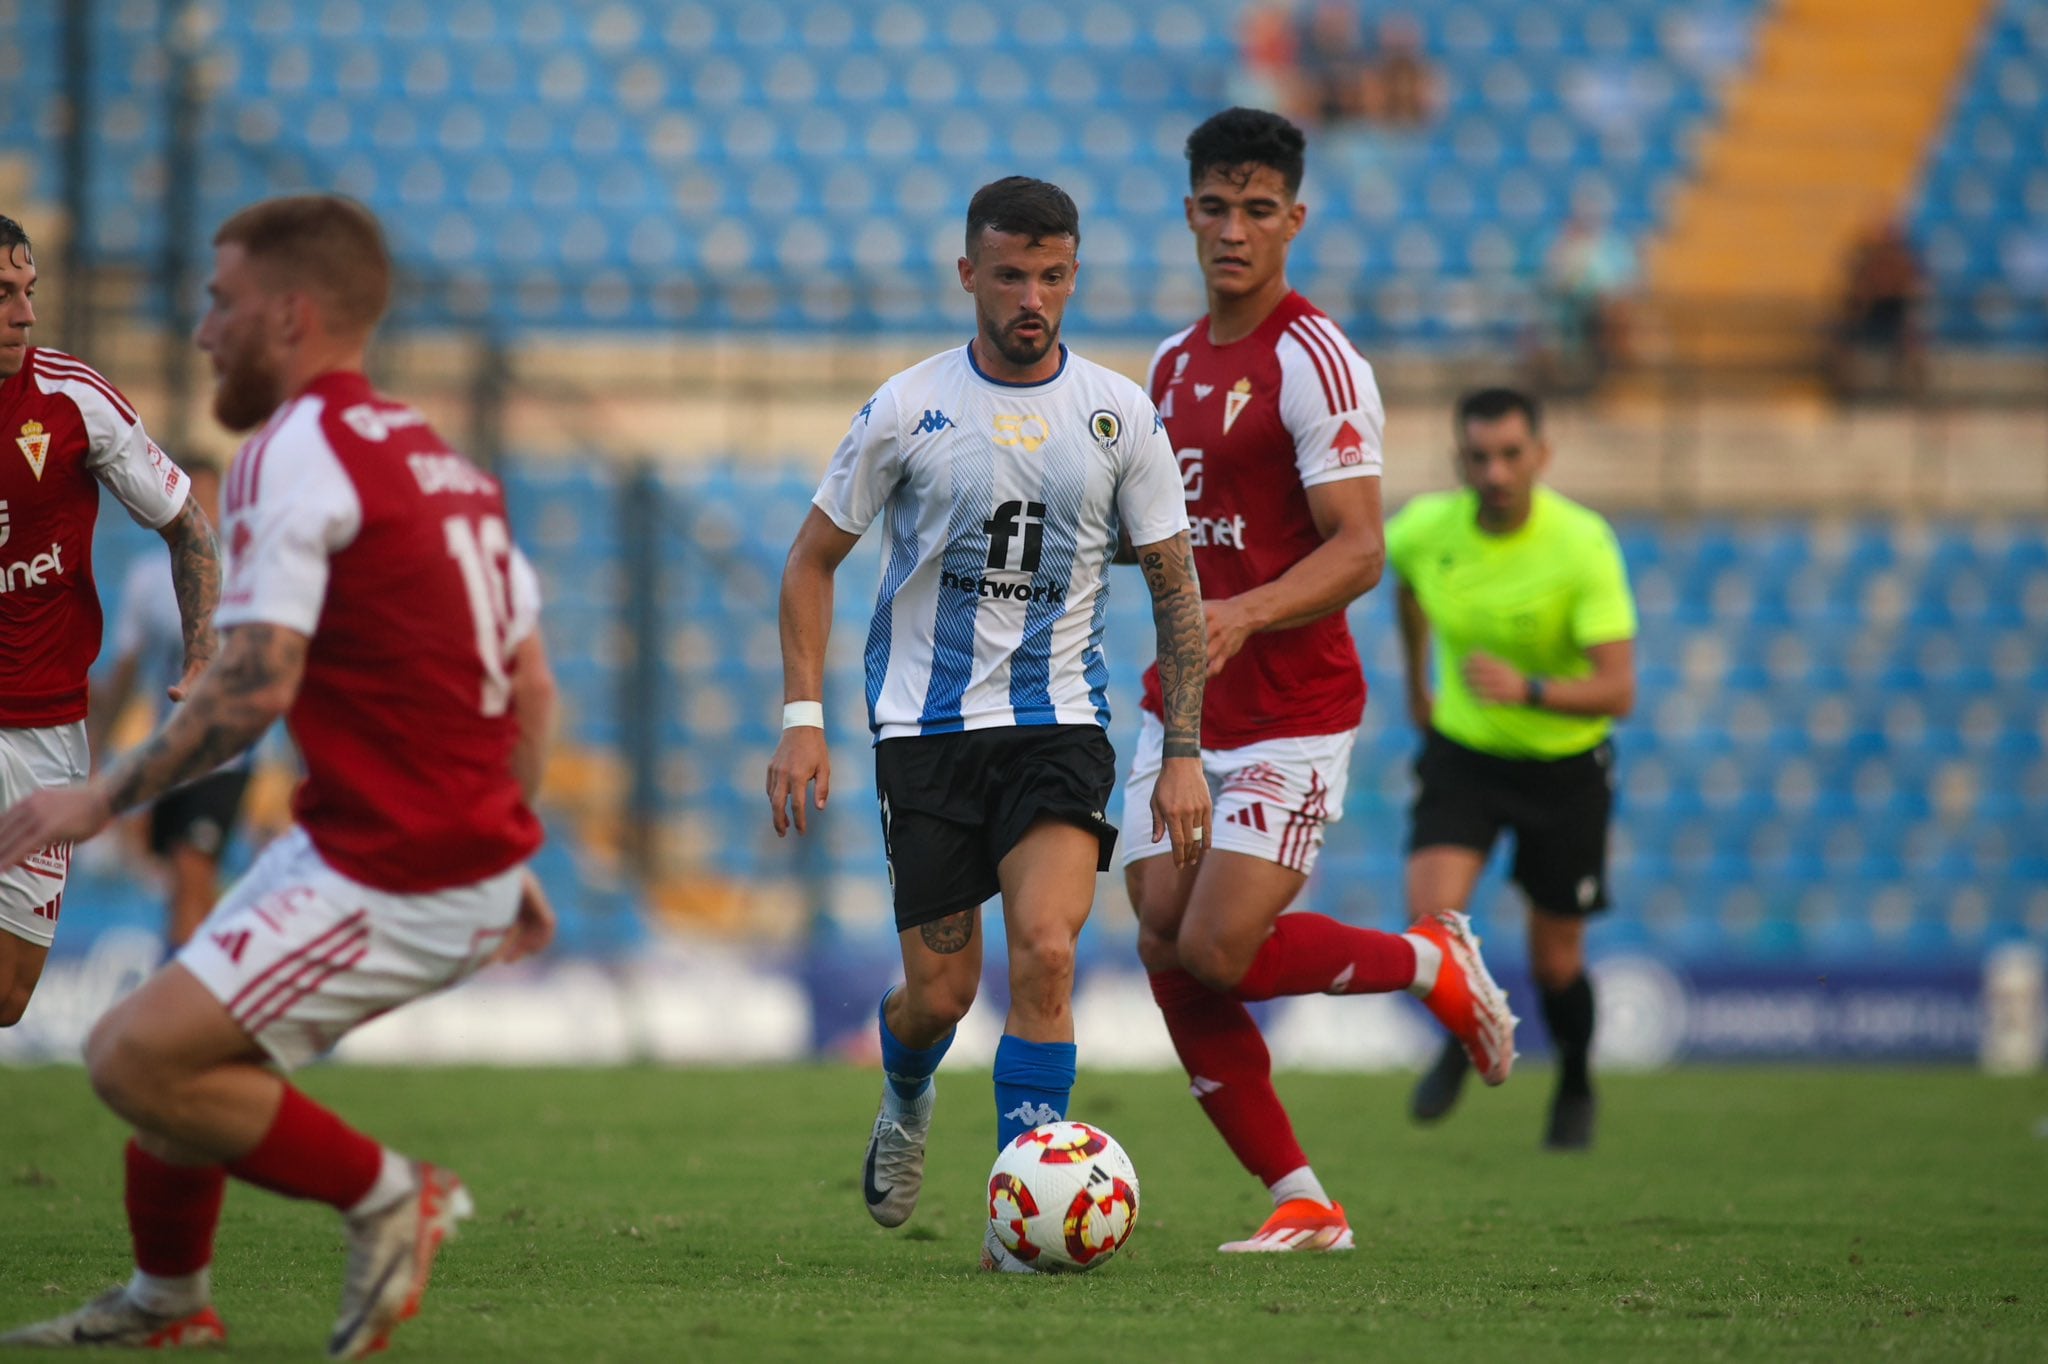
(1157,951)
(934,1006)
(1041,964)
(123,1069)
(1216,962)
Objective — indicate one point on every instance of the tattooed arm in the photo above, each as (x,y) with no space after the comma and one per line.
(195,573)
(1183,649)
(228,708)
(1180,799)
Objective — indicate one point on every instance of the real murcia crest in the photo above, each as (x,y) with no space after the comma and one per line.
(35,444)
(1234,402)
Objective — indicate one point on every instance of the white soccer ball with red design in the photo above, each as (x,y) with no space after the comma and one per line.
(1063,1197)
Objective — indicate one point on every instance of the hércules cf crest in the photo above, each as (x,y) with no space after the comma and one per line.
(35,444)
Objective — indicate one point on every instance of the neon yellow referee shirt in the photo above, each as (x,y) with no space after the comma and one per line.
(1537,597)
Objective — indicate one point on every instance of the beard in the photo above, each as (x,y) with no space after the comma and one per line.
(245,395)
(1022,350)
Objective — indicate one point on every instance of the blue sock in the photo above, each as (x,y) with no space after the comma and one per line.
(908,1072)
(1033,1082)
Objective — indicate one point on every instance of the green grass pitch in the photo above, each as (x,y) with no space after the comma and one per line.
(715,1215)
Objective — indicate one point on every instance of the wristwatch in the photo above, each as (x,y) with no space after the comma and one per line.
(1534,686)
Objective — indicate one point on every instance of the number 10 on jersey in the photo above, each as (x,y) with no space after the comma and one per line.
(482,548)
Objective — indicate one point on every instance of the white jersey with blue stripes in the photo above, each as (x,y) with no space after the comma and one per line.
(1001,508)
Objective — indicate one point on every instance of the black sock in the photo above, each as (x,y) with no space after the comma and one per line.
(1568,1013)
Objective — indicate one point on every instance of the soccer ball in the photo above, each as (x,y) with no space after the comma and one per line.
(1063,1198)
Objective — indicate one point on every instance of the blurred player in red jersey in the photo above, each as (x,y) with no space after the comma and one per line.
(374,600)
(1276,421)
(67,431)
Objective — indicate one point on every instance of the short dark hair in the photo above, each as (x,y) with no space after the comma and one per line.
(326,243)
(1017,203)
(200,464)
(1491,404)
(13,234)
(1247,137)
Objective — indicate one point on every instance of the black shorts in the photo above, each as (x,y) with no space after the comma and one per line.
(1559,810)
(200,814)
(953,805)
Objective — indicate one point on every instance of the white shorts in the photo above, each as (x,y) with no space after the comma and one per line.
(32,760)
(1272,798)
(300,954)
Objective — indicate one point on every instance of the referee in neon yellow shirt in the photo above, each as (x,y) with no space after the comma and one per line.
(1526,595)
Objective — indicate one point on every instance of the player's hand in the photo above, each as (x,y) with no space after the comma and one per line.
(195,663)
(1180,809)
(62,814)
(533,928)
(1228,625)
(800,761)
(1494,681)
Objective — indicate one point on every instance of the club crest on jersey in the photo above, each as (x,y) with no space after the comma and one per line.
(1349,445)
(1103,425)
(35,444)
(1235,402)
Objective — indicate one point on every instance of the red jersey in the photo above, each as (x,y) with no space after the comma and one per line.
(1256,424)
(348,520)
(64,431)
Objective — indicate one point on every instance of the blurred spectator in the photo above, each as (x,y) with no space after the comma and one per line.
(1401,89)
(1269,74)
(1335,63)
(1877,341)
(1589,276)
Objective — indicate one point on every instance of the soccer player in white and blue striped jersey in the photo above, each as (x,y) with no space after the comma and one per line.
(1005,471)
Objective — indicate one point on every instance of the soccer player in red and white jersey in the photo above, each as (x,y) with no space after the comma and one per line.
(1276,421)
(374,599)
(67,432)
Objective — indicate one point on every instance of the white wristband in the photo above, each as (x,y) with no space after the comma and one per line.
(811,713)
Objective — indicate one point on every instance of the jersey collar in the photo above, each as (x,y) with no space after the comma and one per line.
(988,378)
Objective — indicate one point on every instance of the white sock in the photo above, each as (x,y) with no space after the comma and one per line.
(1429,959)
(1300,1183)
(394,1181)
(175,1295)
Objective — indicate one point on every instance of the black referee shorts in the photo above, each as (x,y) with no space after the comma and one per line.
(953,805)
(200,814)
(1559,810)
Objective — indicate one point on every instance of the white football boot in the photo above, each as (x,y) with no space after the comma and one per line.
(894,1170)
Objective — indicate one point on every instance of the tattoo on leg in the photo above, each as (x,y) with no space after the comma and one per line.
(950,934)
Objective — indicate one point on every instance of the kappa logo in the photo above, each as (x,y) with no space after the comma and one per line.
(931,423)
(1235,402)
(35,446)
(1034,1114)
(866,410)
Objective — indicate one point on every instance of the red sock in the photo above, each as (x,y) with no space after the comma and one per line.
(310,1153)
(1232,1073)
(1311,954)
(172,1211)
